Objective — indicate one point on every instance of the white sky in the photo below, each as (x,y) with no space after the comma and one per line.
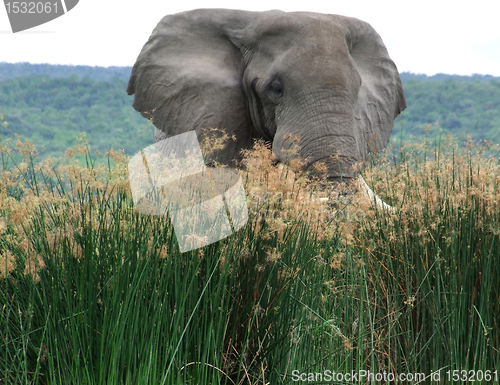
(428,36)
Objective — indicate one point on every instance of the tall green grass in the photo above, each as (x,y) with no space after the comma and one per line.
(438,259)
(92,292)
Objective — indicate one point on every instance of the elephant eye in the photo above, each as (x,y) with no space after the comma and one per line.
(276,88)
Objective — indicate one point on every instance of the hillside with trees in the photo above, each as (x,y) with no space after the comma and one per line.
(53,110)
(460,105)
(52,104)
(13,70)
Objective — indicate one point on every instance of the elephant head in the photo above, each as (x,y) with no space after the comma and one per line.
(321,88)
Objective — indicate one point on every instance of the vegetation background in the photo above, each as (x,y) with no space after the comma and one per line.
(51,104)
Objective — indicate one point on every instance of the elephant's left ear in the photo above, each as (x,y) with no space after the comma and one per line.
(187,76)
(381,98)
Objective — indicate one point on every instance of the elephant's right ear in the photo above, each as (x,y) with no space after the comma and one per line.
(381,97)
(188,75)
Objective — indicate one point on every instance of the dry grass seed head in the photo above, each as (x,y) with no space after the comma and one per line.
(65,214)
(286,196)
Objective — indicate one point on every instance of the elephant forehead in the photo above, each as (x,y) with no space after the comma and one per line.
(320,64)
(299,27)
(302,39)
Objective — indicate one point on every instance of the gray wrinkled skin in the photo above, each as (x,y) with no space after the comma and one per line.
(319,87)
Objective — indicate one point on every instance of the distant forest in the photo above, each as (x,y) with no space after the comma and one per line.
(52,104)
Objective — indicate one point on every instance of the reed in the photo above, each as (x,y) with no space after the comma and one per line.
(92,292)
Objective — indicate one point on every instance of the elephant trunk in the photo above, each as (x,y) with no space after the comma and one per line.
(323,137)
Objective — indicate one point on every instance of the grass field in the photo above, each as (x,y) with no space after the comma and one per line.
(92,292)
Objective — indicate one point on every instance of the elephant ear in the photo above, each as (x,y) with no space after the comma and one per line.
(381,98)
(187,76)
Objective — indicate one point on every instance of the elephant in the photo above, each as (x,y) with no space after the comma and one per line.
(320,88)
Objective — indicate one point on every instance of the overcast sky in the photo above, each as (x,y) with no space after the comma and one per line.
(438,36)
